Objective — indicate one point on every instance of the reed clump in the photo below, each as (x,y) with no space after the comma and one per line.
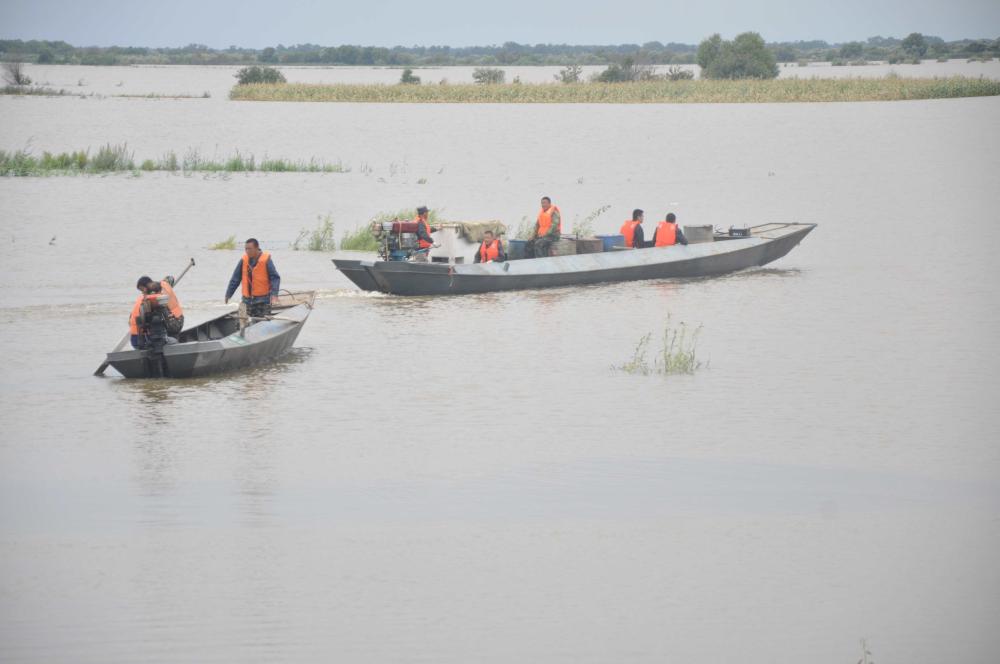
(108,159)
(112,158)
(318,239)
(224,245)
(32,90)
(701,91)
(361,239)
(678,354)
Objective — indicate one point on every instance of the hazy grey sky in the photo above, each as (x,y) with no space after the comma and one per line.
(256,23)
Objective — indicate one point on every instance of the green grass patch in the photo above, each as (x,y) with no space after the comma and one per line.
(111,158)
(224,245)
(31,90)
(361,239)
(700,91)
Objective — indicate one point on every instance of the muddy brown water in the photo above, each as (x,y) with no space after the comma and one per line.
(467,479)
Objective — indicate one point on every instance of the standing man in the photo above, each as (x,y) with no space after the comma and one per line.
(259,277)
(424,230)
(173,314)
(632,230)
(490,250)
(547,228)
(668,232)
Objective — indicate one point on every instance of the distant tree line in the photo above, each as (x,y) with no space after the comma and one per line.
(914,46)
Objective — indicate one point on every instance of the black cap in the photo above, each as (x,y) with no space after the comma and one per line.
(422,209)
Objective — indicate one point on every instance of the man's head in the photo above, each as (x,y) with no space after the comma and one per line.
(488,237)
(672,218)
(143,284)
(252,247)
(422,212)
(637,215)
(546,203)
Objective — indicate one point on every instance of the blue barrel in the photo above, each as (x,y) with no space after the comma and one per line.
(612,241)
(516,249)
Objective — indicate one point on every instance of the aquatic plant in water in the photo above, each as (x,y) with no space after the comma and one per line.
(111,158)
(224,245)
(677,356)
(318,239)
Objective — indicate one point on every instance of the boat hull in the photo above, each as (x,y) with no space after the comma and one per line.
(767,244)
(217,346)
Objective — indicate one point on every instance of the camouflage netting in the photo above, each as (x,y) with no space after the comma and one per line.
(473,230)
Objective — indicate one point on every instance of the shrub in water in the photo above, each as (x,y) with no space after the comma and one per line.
(569,74)
(488,76)
(744,57)
(408,78)
(257,74)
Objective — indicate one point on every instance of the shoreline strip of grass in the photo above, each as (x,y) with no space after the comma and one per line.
(120,159)
(701,91)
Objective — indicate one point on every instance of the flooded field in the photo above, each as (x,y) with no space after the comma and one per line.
(468,479)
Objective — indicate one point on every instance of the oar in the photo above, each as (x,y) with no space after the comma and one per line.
(104,365)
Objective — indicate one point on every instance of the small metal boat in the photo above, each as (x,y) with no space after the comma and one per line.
(726,252)
(226,343)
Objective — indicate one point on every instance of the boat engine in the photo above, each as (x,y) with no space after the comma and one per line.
(152,321)
(397,239)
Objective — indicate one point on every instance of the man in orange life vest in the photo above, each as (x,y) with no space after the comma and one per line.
(173,315)
(424,239)
(490,250)
(547,228)
(259,277)
(632,230)
(668,233)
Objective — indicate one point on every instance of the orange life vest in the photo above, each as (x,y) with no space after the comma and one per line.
(258,276)
(133,319)
(628,230)
(173,303)
(422,243)
(489,252)
(545,221)
(666,234)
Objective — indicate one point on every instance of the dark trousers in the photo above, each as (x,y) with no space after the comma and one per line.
(258,307)
(542,246)
(174,325)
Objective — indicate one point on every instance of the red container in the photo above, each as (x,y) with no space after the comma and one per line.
(404,227)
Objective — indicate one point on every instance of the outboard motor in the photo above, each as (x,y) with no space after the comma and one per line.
(153,331)
(397,239)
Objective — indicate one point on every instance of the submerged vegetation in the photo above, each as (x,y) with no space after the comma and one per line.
(118,158)
(640,92)
(224,245)
(677,354)
(318,239)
